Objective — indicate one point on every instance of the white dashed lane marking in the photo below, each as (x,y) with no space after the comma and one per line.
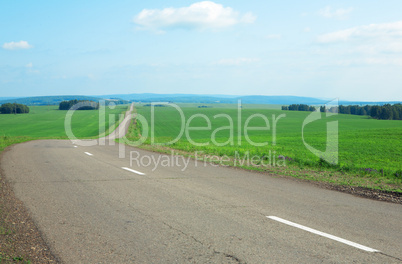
(134,171)
(308,229)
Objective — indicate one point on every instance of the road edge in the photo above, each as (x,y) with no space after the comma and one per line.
(21,240)
(362,192)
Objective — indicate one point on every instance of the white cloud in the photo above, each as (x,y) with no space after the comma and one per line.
(385,61)
(373,38)
(248,18)
(307,29)
(29,65)
(273,36)
(337,36)
(337,14)
(237,62)
(371,61)
(374,44)
(17,45)
(201,15)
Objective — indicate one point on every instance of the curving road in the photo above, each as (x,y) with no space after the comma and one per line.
(122,129)
(94,207)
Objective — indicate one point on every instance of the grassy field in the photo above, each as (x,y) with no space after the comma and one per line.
(368,149)
(48,122)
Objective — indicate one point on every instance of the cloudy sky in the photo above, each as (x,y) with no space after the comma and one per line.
(325,49)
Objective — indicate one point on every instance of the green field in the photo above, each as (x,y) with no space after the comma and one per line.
(48,122)
(368,148)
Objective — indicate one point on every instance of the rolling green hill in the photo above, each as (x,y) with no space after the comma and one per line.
(44,122)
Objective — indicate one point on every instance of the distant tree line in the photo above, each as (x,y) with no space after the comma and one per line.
(384,112)
(299,107)
(155,105)
(14,108)
(116,101)
(85,105)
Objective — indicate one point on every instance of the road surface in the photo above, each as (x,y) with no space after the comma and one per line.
(94,207)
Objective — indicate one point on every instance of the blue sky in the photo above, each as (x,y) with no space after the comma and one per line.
(325,49)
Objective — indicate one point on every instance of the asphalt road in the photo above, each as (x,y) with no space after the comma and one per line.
(122,129)
(94,207)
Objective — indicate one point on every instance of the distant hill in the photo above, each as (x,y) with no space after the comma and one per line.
(7,98)
(48,100)
(228,99)
(368,103)
(280,100)
(232,99)
(149,96)
(55,100)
